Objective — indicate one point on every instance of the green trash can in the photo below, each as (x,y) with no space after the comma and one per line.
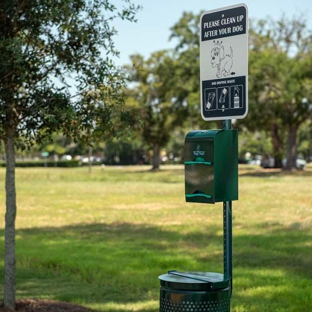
(194,292)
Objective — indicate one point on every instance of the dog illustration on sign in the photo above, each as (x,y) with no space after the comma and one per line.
(222,62)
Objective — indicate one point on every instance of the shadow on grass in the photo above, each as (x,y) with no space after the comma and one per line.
(120,262)
(162,169)
(162,175)
(267,173)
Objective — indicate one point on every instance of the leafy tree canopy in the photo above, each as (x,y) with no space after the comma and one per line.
(280,79)
(162,108)
(56,68)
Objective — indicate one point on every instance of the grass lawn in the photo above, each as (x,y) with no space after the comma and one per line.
(102,239)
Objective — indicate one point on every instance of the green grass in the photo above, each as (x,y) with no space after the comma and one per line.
(102,239)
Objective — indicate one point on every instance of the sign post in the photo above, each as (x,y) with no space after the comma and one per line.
(211,156)
(224,83)
(224,63)
(227,229)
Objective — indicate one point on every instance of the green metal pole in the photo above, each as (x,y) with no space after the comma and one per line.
(227,227)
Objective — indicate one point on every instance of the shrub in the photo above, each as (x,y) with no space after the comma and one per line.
(48,163)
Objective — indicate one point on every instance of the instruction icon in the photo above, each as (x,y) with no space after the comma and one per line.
(223,98)
(237,96)
(210,99)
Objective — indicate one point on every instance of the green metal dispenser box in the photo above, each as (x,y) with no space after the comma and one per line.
(211,166)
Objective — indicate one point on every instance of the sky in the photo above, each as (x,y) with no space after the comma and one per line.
(152,30)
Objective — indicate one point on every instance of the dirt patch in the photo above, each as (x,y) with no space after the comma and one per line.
(36,305)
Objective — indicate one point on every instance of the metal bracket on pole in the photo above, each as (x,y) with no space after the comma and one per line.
(227,228)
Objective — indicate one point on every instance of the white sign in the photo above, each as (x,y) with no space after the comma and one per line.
(224,63)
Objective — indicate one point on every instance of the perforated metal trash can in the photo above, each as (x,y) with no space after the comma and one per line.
(194,292)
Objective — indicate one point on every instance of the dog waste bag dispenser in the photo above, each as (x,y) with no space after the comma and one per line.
(211,166)
(211,175)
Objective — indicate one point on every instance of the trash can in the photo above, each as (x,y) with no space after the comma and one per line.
(194,292)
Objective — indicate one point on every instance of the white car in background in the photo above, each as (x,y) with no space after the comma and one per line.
(300,163)
(269,163)
(66,157)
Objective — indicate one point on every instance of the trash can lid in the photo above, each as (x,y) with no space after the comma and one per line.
(194,280)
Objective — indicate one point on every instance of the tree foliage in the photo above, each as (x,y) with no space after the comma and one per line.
(57,67)
(185,35)
(280,79)
(161,105)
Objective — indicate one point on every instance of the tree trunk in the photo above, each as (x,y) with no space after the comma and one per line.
(291,147)
(10,215)
(89,159)
(156,157)
(277,146)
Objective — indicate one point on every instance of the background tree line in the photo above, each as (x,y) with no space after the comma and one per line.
(163,91)
(280,89)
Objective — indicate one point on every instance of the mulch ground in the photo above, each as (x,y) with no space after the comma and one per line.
(36,305)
